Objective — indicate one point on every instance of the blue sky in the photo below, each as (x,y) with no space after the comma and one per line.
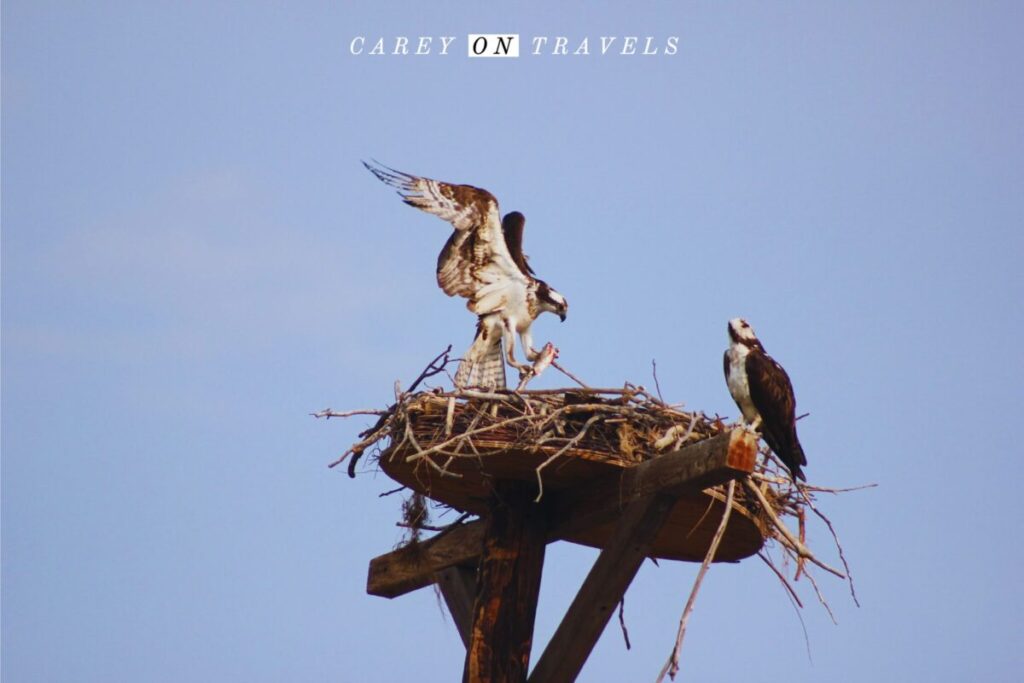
(194,259)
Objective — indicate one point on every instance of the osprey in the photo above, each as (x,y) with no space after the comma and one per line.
(764,394)
(484,262)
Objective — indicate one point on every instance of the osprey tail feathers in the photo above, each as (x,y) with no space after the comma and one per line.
(794,459)
(790,452)
(483,365)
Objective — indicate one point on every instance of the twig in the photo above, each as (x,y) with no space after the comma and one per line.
(782,577)
(422,527)
(622,621)
(821,598)
(802,522)
(642,391)
(341,458)
(787,535)
(689,430)
(793,600)
(584,389)
(451,527)
(669,438)
(672,665)
(569,374)
(432,369)
(707,511)
(673,431)
(439,447)
(657,385)
(839,546)
(572,442)
(476,393)
(779,481)
(824,489)
(391,492)
(328,413)
(371,436)
(423,455)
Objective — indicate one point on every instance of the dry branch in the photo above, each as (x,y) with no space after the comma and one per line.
(672,665)
(782,578)
(328,413)
(788,538)
(569,374)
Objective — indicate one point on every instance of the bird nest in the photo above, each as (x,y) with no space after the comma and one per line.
(451,445)
(437,432)
(575,432)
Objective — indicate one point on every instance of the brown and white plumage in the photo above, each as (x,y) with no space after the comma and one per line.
(488,367)
(483,261)
(764,394)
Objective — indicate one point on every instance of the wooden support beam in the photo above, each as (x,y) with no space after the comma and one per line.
(695,467)
(409,568)
(706,463)
(602,590)
(508,586)
(458,586)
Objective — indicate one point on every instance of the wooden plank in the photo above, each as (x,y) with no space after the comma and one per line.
(458,586)
(469,489)
(407,569)
(706,463)
(696,467)
(602,590)
(509,583)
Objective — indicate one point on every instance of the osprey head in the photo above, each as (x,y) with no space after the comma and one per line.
(740,332)
(551,301)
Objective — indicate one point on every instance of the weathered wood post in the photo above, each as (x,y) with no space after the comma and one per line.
(508,584)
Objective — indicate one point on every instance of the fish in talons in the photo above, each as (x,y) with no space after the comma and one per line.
(547,354)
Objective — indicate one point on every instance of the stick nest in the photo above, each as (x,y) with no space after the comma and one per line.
(624,426)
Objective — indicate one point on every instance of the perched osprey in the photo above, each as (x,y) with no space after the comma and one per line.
(484,262)
(764,394)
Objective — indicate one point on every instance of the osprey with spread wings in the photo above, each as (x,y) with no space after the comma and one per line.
(484,262)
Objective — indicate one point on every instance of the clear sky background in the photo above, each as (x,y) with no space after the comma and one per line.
(194,260)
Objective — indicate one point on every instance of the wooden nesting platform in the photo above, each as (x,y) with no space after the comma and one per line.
(586,494)
(585,489)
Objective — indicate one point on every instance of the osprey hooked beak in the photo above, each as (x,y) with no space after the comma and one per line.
(551,300)
(562,309)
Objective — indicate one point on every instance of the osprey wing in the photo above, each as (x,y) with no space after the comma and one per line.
(772,394)
(476,255)
(512,225)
